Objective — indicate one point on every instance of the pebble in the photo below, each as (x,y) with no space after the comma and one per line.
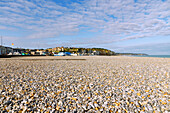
(97,84)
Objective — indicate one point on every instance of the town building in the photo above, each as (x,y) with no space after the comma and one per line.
(41,52)
(2,50)
(5,50)
(57,49)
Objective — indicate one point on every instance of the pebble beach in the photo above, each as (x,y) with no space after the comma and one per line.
(91,84)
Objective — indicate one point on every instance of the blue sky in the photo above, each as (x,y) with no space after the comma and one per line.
(137,26)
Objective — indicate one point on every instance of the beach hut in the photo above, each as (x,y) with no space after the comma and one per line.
(63,54)
(73,54)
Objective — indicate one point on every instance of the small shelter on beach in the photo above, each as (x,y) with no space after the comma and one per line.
(63,54)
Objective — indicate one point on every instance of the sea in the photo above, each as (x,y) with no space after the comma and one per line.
(159,56)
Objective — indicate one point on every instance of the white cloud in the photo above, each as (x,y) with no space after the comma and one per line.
(46,19)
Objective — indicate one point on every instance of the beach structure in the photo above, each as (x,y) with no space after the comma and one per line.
(72,54)
(16,53)
(63,54)
(20,50)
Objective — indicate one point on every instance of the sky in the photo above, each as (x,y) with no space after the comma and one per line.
(132,26)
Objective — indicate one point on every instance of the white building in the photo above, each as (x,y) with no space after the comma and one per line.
(2,50)
(5,50)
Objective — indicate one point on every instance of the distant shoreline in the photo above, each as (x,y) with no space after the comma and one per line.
(154,56)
